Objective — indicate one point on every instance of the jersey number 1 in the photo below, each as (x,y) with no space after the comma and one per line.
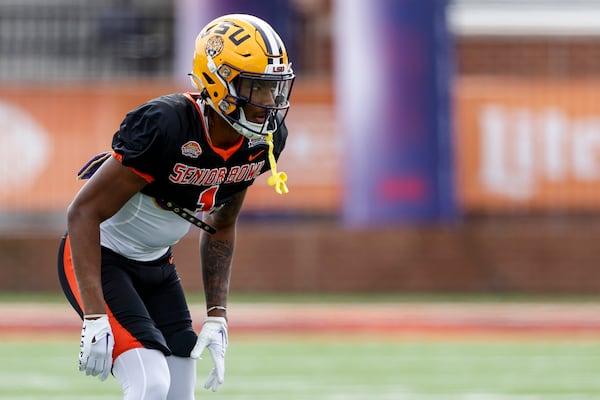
(206,200)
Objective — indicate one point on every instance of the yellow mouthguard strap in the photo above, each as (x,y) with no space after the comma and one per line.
(277,179)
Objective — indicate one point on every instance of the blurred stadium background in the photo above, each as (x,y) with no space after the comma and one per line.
(443,157)
(435,145)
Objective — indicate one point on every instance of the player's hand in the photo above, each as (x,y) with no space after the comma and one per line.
(97,342)
(214,337)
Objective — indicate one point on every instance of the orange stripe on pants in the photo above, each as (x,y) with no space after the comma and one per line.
(123,339)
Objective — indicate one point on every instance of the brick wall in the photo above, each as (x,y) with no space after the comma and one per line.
(482,255)
(530,57)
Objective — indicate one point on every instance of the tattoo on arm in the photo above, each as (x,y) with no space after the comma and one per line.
(216,251)
(216,268)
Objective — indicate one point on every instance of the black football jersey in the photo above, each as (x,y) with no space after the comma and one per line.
(165,139)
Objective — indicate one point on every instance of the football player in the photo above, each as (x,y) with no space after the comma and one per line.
(178,160)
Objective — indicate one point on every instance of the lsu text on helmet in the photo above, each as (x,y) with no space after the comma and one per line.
(242,68)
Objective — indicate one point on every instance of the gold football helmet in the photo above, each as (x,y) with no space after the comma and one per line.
(242,68)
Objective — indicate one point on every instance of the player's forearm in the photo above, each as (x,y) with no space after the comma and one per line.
(84,236)
(216,254)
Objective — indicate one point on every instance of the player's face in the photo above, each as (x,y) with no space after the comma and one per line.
(262,96)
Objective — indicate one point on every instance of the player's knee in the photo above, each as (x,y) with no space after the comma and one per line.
(155,388)
(182,343)
(143,374)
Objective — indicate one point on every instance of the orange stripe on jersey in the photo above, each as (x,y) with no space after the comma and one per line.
(145,176)
(224,153)
(123,339)
(70,272)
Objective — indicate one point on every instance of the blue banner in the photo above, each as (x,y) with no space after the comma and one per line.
(394,80)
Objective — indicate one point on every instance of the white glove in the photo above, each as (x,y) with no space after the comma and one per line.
(214,336)
(95,351)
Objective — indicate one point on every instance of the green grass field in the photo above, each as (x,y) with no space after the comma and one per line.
(339,368)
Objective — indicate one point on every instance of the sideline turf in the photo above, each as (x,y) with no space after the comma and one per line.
(343,368)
